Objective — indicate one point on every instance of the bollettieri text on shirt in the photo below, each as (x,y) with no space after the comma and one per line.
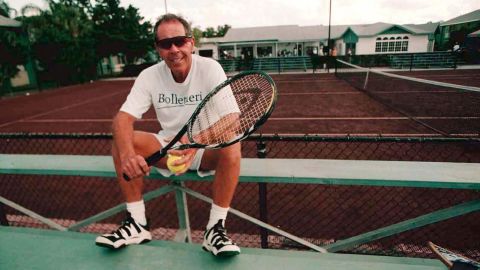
(174,100)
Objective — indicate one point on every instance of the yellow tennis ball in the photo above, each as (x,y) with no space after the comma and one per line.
(174,168)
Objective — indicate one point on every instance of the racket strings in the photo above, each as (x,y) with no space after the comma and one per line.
(233,111)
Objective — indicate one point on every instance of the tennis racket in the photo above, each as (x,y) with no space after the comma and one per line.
(451,259)
(228,114)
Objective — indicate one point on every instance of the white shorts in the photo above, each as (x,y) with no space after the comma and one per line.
(195,166)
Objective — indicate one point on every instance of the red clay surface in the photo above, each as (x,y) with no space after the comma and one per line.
(307,104)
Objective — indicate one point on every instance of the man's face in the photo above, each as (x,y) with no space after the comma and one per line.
(174,48)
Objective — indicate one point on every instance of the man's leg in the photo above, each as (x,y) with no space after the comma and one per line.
(226,163)
(134,229)
(145,144)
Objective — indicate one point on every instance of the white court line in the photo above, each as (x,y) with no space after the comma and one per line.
(375,135)
(306,81)
(320,93)
(26,119)
(78,120)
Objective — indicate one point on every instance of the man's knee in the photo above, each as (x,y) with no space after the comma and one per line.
(230,155)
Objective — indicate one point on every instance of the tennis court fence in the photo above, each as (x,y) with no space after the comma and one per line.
(445,109)
(321,214)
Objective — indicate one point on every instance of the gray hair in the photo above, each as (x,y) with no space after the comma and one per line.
(172,17)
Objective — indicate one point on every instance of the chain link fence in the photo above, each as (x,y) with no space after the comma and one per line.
(322,214)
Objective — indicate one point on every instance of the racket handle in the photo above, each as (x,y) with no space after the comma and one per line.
(155,157)
(151,160)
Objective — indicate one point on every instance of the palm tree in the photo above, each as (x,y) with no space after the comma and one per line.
(62,40)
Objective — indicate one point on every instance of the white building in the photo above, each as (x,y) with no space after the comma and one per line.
(294,40)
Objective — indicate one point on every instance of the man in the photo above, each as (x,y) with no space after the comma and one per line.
(189,78)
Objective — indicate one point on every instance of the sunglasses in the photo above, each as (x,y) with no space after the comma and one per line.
(166,43)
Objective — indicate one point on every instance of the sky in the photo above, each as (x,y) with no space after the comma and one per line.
(251,13)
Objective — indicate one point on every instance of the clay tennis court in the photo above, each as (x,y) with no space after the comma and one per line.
(307,104)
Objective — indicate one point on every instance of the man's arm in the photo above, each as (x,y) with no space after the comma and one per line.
(132,164)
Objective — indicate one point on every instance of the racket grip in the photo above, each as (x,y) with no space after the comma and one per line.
(155,157)
(151,160)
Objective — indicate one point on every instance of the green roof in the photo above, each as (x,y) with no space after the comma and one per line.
(465,18)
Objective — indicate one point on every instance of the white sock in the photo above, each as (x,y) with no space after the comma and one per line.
(217,213)
(137,210)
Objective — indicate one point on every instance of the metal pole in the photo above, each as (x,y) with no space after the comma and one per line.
(329,23)
(165,1)
(328,41)
(262,196)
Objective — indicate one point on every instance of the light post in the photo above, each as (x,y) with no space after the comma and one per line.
(328,41)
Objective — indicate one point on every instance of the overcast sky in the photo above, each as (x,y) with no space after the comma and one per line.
(249,13)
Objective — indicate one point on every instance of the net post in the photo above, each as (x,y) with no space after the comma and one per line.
(262,196)
(411,61)
(366,80)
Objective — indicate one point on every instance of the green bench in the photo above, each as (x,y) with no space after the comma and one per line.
(306,171)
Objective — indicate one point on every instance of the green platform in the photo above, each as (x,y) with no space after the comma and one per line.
(26,248)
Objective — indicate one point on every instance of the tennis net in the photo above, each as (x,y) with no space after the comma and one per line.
(446,109)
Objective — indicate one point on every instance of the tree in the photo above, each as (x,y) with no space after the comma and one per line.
(13,49)
(197,34)
(62,41)
(209,32)
(4,9)
(120,30)
(220,32)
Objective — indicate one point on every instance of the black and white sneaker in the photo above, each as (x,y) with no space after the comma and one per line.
(130,232)
(216,241)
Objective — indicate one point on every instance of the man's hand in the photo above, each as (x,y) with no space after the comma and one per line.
(135,166)
(186,155)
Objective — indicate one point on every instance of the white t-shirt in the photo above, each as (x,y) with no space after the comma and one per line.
(174,102)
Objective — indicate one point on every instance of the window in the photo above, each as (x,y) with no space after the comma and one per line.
(398,44)
(378,45)
(391,44)
(264,51)
(405,44)
(385,45)
(206,53)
